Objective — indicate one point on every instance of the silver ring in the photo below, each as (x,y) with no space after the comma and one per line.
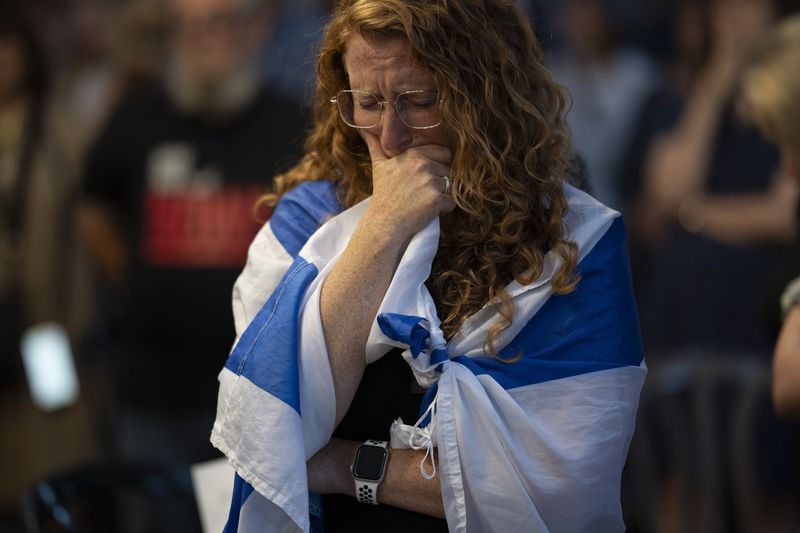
(447,185)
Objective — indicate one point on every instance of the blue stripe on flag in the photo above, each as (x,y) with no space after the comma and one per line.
(408,329)
(595,327)
(427,398)
(301,212)
(241,491)
(267,352)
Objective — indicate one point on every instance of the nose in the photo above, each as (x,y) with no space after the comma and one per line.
(395,137)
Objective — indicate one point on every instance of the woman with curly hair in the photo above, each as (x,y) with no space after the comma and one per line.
(426,260)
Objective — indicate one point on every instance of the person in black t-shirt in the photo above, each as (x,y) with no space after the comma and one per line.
(168,214)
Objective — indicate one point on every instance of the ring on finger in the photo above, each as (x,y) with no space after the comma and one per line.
(447,185)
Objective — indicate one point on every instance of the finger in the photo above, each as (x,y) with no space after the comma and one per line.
(438,170)
(446,204)
(434,152)
(444,184)
(376,152)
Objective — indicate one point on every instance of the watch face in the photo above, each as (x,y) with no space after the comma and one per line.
(369,462)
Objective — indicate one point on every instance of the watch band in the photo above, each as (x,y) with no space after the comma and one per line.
(367,490)
(790,296)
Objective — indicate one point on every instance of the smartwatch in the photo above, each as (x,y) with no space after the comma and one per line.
(369,467)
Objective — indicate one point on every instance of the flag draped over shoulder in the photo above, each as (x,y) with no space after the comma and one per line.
(537,444)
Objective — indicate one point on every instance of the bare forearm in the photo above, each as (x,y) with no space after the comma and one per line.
(350,298)
(678,162)
(746,220)
(405,199)
(698,124)
(403,485)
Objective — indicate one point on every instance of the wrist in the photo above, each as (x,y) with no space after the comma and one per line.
(370,465)
(691,214)
(329,469)
(345,452)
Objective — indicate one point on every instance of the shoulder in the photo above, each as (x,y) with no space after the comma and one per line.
(603,265)
(112,157)
(140,111)
(314,196)
(301,211)
(587,219)
(605,279)
(286,119)
(596,325)
(275,103)
(141,104)
(279,125)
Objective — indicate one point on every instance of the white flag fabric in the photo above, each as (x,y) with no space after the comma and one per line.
(534,445)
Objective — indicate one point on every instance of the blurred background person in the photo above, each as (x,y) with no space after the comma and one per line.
(41,277)
(714,210)
(711,211)
(167,215)
(771,94)
(84,87)
(100,51)
(608,83)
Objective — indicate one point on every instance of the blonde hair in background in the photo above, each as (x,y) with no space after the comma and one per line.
(771,86)
(505,115)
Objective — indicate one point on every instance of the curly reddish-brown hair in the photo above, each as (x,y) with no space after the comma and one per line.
(509,144)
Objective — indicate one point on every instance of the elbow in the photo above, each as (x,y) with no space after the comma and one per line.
(785,229)
(785,400)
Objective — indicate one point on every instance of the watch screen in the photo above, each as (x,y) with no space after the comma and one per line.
(369,462)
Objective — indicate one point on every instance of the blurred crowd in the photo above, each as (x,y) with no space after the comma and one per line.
(136,137)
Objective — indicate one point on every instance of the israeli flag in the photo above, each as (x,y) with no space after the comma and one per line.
(537,444)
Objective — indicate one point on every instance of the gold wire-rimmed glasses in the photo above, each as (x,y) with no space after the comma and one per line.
(418,109)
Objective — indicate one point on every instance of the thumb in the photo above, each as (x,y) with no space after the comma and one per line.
(374,146)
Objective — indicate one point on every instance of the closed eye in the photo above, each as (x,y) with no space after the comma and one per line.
(420,103)
(370,104)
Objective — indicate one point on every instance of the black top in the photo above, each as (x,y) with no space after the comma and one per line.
(183,188)
(387,391)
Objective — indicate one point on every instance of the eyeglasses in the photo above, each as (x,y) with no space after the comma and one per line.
(362,109)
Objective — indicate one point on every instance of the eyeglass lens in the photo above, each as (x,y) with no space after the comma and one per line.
(417,109)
